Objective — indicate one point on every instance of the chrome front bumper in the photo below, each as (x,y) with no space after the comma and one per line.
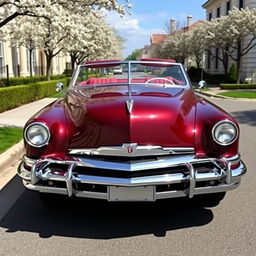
(179,176)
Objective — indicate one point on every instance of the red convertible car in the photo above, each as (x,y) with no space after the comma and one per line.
(139,135)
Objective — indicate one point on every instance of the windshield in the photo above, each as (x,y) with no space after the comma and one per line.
(146,73)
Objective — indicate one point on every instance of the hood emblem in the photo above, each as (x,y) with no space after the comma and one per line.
(129,105)
(130,147)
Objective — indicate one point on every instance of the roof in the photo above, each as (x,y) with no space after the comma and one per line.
(195,24)
(158,38)
(192,26)
(206,3)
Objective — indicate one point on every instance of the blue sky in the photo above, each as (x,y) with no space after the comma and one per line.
(150,16)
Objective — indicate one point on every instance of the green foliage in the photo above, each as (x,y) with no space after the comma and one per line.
(13,96)
(67,72)
(214,79)
(232,74)
(134,55)
(195,74)
(27,80)
(237,86)
(9,136)
(240,94)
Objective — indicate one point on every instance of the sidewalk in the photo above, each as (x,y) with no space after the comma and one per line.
(16,117)
(20,115)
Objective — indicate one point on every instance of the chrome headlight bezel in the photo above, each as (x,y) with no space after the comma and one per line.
(217,125)
(42,126)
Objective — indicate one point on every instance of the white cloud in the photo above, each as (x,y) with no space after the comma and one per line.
(129,27)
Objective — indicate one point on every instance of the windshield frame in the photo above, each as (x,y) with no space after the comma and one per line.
(129,64)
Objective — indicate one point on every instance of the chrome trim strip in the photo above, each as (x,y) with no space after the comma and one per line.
(29,161)
(138,150)
(69,179)
(192,179)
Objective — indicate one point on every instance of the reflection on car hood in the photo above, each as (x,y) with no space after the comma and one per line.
(158,117)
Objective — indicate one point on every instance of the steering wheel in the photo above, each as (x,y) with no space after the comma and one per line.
(160,78)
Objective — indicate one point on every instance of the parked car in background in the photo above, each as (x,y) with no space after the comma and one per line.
(118,70)
(143,137)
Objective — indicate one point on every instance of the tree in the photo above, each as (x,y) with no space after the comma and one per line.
(10,9)
(94,39)
(176,46)
(242,33)
(234,35)
(196,43)
(17,37)
(134,55)
(216,43)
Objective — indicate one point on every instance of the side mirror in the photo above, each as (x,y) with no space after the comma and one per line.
(59,87)
(202,84)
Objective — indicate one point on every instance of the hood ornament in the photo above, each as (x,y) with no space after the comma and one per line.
(129,105)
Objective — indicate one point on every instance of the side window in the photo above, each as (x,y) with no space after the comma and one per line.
(227,7)
(218,12)
(210,16)
(241,4)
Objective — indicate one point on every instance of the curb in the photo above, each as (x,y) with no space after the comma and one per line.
(214,95)
(11,155)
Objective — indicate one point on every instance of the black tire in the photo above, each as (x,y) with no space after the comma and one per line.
(209,200)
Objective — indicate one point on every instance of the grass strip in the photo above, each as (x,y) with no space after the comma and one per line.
(239,94)
(9,136)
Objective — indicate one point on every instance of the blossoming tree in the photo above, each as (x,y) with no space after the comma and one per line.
(10,9)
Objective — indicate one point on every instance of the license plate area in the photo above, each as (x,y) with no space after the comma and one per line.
(122,194)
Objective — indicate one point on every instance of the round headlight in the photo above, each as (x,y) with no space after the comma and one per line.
(225,132)
(37,134)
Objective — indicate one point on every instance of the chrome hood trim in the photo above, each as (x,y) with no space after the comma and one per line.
(132,150)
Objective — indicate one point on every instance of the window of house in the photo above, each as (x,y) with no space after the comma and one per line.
(33,61)
(210,16)
(208,60)
(1,55)
(1,58)
(218,12)
(216,58)
(227,7)
(241,4)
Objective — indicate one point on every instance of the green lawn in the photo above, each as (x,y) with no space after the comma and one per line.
(240,94)
(9,136)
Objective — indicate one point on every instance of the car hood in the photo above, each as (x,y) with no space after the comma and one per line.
(159,117)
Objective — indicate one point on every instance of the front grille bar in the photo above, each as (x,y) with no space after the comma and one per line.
(221,172)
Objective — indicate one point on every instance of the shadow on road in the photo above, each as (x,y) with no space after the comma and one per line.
(101,220)
(245,117)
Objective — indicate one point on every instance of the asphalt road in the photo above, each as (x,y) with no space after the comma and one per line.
(173,227)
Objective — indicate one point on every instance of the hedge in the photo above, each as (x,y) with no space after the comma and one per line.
(27,80)
(237,86)
(13,96)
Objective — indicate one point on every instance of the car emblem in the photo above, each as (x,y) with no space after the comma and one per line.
(130,147)
(129,105)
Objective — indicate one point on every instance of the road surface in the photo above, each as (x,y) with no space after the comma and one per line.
(172,227)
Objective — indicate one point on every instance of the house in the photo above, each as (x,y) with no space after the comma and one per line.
(157,40)
(218,8)
(15,61)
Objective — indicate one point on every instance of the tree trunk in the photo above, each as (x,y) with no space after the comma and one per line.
(238,63)
(73,57)
(48,65)
(30,62)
